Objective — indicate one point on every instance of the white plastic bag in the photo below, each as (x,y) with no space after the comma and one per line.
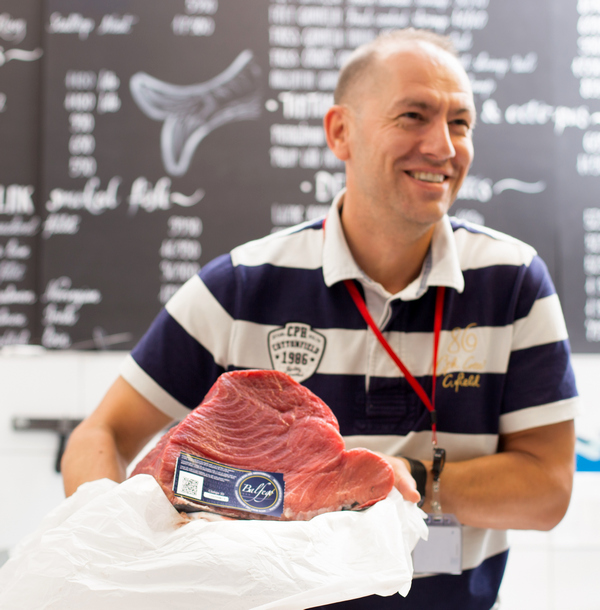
(123,547)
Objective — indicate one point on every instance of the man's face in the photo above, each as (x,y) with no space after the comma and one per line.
(410,136)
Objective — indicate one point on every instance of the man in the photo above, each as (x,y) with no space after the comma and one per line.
(402,123)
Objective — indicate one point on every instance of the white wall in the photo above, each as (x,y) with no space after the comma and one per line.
(39,384)
(560,569)
(547,571)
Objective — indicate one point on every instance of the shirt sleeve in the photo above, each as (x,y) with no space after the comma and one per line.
(540,383)
(186,348)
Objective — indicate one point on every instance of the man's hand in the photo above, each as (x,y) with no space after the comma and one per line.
(403,480)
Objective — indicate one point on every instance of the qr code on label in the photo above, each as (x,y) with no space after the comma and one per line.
(190,485)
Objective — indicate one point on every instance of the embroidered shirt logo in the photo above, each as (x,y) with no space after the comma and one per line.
(296,349)
(461,381)
(461,364)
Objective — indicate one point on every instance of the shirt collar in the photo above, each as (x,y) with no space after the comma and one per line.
(441,266)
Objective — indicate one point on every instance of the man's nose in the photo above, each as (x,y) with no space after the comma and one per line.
(437,141)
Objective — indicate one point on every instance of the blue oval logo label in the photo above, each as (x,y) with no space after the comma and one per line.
(259,491)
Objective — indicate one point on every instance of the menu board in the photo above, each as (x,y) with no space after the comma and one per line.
(577,165)
(20,54)
(174,131)
(153,157)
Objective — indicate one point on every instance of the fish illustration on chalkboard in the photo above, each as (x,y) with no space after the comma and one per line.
(191,112)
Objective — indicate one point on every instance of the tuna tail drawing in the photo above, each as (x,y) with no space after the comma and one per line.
(191,112)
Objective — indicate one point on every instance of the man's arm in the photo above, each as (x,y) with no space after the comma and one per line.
(526,485)
(108,440)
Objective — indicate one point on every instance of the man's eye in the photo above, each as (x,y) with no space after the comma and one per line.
(412,116)
(462,123)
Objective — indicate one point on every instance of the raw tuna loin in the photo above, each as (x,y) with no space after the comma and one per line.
(264,420)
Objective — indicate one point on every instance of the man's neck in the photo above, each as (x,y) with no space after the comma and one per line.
(391,255)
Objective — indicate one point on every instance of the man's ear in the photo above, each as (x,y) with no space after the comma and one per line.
(336,126)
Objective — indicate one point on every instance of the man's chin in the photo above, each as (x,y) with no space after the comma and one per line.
(430,214)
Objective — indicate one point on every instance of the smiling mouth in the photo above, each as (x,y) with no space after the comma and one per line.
(427,176)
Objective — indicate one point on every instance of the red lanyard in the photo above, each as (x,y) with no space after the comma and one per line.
(437,328)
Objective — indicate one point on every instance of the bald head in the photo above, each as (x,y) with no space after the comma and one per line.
(359,73)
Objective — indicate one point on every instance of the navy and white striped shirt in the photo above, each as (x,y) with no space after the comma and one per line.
(280,302)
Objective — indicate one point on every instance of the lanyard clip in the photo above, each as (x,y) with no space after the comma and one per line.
(439,460)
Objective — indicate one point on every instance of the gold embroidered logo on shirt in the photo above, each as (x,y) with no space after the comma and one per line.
(461,381)
(458,362)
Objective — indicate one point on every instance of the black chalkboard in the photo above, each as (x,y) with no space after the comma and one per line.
(173,131)
(20,57)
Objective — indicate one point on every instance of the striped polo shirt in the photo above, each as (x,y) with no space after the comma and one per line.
(280,303)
